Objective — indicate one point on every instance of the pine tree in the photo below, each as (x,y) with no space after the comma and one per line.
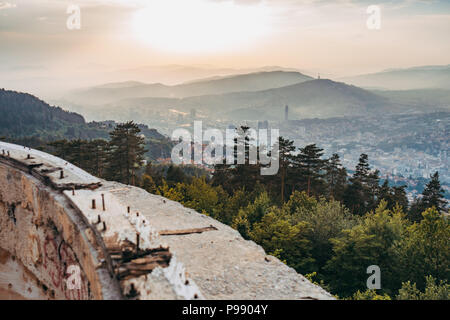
(392,195)
(309,168)
(362,169)
(98,151)
(385,193)
(239,175)
(59,148)
(361,195)
(127,152)
(373,186)
(354,197)
(400,197)
(336,177)
(433,194)
(286,149)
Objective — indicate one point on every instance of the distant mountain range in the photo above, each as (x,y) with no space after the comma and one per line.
(314,98)
(218,85)
(426,77)
(263,95)
(175,74)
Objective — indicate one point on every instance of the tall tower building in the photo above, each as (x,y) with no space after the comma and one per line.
(286,113)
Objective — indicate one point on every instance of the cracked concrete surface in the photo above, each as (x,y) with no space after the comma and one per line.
(221,262)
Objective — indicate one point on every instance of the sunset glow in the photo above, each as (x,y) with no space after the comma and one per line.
(199,25)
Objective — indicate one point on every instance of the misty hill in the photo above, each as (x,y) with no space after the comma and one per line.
(121,85)
(175,74)
(24,115)
(405,79)
(247,82)
(435,99)
(315,98)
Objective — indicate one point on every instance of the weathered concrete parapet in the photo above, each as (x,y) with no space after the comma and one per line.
(126,243)
(42,236)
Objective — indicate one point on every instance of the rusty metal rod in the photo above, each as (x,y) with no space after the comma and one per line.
(103,202)
(137,243)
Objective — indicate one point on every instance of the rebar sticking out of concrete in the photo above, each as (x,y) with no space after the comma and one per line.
(103,202)
(137,243)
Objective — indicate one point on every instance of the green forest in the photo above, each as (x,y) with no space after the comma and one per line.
(312,215)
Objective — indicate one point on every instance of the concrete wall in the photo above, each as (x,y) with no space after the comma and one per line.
(67,235)
(46,241)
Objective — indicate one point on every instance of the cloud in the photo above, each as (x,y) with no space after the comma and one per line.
(6,5)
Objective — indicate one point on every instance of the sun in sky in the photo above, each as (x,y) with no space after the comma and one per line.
(200,26)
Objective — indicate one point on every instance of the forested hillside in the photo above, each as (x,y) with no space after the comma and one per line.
(23,115)
(29,121)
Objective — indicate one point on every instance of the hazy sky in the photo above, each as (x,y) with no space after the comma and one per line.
(313,35)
